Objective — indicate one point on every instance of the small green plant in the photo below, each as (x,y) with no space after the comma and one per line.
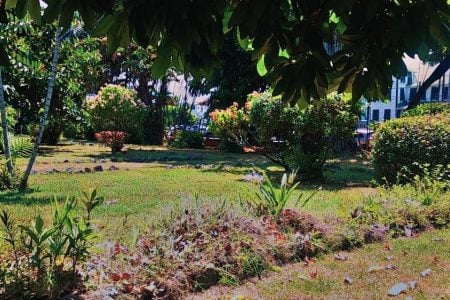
(42,254)
(91,201)
(252,263)
(429,183)
(272,200)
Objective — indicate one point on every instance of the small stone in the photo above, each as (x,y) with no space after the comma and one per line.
(102,161)
(33,172)
(79,171)
(438,240)
(98,168)
(55,171)
(425,272)
(93,160)
(66,161)
(348,280)
(113,168)
(340,256)
(69,170)
(398,289)
(391,267)
(197,166)
(111,202)
(87,170)
(412,284)
(170,167)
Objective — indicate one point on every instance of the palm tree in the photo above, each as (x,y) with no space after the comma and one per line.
(48,100)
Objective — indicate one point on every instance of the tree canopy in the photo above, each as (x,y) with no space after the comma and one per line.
(288,38)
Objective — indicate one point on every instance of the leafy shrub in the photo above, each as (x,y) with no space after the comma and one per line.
(188,140)
(44,260)
(407,143)
(231,124)
(113,139)
(116,108)
(292,137)
(428,109)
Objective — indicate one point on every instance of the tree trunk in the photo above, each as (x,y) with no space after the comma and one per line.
(437,73)
(6,146)
(48,99)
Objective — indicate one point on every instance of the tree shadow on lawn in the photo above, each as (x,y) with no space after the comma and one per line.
(177,157)
(26,198)
(49,151)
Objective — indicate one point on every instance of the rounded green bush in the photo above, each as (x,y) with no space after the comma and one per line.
(117,108)
(407,143)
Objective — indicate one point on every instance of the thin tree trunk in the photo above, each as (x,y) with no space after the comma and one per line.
(437,73)
(6,146)
(48,100)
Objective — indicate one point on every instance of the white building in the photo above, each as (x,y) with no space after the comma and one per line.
(404,89)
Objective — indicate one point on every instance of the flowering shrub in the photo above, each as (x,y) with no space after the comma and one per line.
(287,135)
(112,139)
(232,123)
(116,108)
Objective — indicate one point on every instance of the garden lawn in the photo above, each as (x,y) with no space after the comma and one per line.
(324,279)
(150,181)
(154,179)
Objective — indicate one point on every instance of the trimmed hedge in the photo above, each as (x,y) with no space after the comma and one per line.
(428,109)
(401,142)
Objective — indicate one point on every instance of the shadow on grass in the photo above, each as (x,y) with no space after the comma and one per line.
(25,198)
(179,157)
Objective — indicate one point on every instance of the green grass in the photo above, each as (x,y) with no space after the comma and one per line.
(152,180)
(146,183)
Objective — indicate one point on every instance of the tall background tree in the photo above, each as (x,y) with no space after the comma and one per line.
(233,79)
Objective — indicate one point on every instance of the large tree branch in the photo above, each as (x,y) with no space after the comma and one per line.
(437,73)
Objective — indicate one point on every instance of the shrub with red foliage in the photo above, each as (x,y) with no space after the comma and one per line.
(112,139)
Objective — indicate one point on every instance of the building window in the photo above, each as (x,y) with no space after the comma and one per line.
(387,114)
(376,115)
(398,113)
(412,93)
(402,95)
(434,93)
(410,78)
(445,95)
